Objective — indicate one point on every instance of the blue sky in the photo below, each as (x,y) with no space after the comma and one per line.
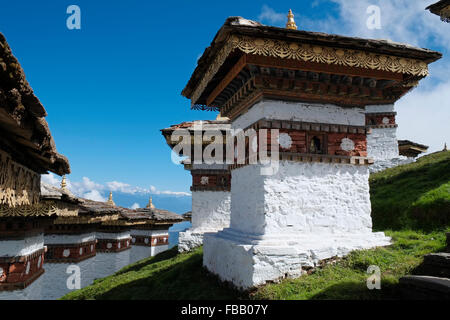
(111,86)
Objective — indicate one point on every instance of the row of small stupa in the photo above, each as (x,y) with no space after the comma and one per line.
(43,225)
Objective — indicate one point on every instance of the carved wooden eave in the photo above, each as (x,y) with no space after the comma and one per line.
(411,149)
(248,61)
(143,217)
(84,220)
(191,126)
(24,132)
(442,9)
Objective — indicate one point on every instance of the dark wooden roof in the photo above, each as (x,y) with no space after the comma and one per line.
(24,132)
(153,214)
(187,216)
(442,9)
(97,208)
(241,26)
(410,143)
(438,6)
(411,149)
(206,125)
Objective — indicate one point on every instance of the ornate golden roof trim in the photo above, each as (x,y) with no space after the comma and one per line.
(311,53)
(43,209)
(85,219)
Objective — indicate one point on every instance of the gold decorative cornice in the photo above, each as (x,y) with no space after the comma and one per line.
(19,185)
(43,209)
(309,53)
(84,219)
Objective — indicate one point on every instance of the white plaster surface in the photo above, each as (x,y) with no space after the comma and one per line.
(53,283)
(136,232)
(189,240)
(139,253)
(210,213)
(69,238)
(380,108)
(382,144)
(304,213)
(248,263)
(210,210)
(159,249)
(21,247)
(113,236)
(109,263)
(299,111)
(301,197)
(54,280)
(32,292)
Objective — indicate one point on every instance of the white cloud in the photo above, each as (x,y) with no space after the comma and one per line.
(401,20)
(94,195)
(86,188)
(135,206)
(423,116)
(153,190)
(270,16)
(51,179)
(124,187)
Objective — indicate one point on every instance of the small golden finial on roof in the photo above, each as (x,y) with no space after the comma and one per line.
(110,200)
(150,204)
(291,22)
(64,183)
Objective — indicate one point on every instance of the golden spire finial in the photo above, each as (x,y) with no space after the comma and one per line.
(110,200)
(150,204)
(64,183)
(291,22)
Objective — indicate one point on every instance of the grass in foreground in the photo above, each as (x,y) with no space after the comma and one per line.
(172,276)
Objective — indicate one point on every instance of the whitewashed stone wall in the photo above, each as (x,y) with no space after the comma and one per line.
(69,238)
(210,210)
(296,111)
(32,292)
(54,280)
(382,144)
(304,213)
(114,236)
(21,247)
(52,284)
(210,213)
(142,252)
(301,197)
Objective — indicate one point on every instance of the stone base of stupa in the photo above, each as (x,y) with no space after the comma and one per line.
(249,261)
(192,238)
(189,240)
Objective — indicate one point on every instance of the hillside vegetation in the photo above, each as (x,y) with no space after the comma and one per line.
(413,196)
(410,203)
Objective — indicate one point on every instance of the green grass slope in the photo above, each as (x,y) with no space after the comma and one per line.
(414,196)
